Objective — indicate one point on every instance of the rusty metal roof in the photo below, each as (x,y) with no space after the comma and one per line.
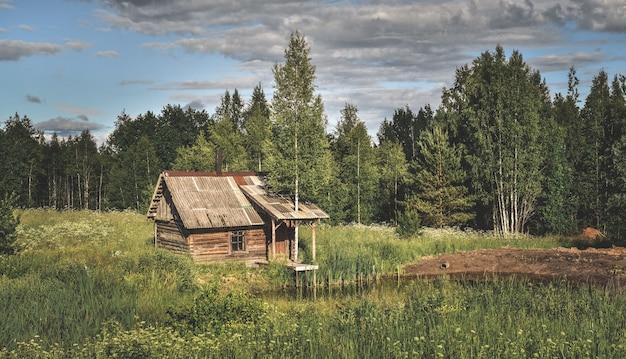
(210,200)
(280,207)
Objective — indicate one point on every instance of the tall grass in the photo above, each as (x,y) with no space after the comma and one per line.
(354,253)
(76,270)
(91,285)
(431,319)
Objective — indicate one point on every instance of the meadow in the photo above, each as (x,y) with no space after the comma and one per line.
(92,285)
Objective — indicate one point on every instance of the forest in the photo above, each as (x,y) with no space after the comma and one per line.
(501,153)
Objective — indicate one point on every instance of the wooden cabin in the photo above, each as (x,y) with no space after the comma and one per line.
(226,216)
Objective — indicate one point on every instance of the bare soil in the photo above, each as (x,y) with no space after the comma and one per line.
(597,266)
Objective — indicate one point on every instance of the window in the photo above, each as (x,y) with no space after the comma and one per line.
(237,241)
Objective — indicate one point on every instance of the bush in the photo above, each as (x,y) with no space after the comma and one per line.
(213,309)
(8,225)
(409,224)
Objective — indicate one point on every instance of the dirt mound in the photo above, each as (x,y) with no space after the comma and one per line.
(591,234)
(605,266)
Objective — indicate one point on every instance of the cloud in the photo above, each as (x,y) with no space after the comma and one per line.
(25,27)
(196,105)
(563,61)
(14,50)
(111,54)
(78,45)
(359,47)
(33,99)
(65,126)
(599,15)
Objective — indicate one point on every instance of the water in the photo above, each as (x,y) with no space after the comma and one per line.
(372,289)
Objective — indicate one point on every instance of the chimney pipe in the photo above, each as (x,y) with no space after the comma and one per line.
(218,162)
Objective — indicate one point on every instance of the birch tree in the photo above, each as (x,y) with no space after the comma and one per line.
(301,159)
(498,105)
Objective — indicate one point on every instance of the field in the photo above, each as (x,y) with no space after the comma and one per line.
(91,285)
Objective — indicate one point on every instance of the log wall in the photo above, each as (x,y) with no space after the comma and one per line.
(211,246)
(169,236)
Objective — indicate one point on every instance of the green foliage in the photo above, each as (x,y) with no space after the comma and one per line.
(20,159)
(199,157)
(257,129)
(409,223)
(8,225)
(439,194)
(301,148)
(212,310)
(226,139)
(356,170)
(393,174)
(133,175)
(497,105)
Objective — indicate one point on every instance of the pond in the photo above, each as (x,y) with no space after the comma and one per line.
(383,288)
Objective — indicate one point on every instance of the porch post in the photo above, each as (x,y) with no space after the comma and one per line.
(313,241)
(273,240)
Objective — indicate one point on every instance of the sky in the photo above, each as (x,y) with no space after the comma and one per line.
(74,65)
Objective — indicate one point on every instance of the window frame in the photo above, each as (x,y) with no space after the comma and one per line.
(238,241)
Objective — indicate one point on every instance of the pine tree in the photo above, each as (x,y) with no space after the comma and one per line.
(357,170)
(591,173)
(393,174)
(257,129)
(439,195)
(21,147)
(226,139)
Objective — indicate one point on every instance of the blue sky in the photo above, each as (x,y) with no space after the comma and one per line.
(77,64)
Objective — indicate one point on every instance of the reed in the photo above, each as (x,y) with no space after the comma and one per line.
(91,285)
(365,253)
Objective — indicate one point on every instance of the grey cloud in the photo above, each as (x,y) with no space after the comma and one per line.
(361,45)
(33,99)
(5,4)
(555,14)
(107,54)
(560,62)
(597,15)
(67,126)
(78,45)
(196,105)
(515,15)
(14,50)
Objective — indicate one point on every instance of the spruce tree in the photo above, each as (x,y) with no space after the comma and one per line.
(357,171)
(438,194)
(257,130)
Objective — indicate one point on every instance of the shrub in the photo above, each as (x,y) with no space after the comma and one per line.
(213,309)
(8,225)
(409,224)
